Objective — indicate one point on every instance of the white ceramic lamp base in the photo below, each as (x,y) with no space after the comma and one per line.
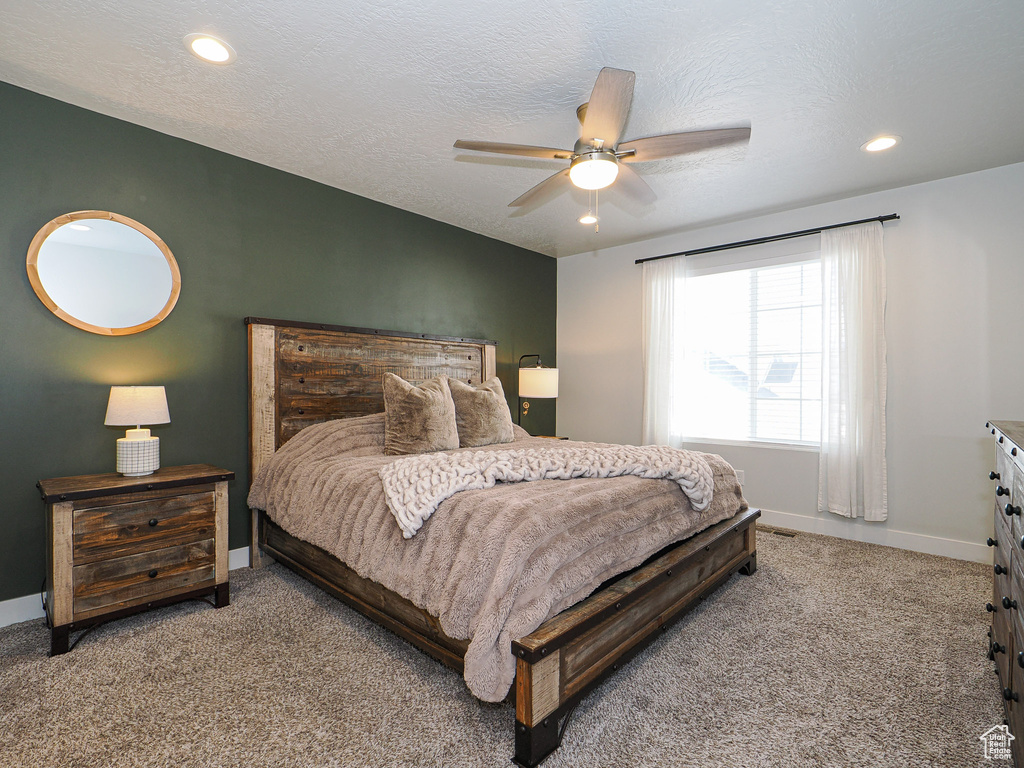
(138,455)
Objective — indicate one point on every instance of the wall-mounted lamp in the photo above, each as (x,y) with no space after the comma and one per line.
(535,381)
(137,453)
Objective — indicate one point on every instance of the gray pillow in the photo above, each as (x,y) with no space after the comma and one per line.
(418,419)
(481,413)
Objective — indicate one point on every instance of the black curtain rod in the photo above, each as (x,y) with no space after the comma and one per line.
(769,239)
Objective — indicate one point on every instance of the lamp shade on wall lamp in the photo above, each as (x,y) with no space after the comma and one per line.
(538,382)
(137,452)
(535,381)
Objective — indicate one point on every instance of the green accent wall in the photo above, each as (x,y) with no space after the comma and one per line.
(249,240)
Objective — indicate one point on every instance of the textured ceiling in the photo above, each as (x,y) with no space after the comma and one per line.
(369,98)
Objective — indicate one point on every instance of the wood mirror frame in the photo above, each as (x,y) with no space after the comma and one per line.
(32,267)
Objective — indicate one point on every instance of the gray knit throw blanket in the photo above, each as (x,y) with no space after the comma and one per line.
(416,485)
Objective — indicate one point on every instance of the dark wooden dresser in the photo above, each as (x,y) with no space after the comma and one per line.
(118,545)
(1006,644)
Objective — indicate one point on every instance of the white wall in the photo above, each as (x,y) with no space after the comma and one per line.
(955,334)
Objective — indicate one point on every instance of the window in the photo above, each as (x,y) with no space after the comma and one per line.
(736,348)
(752,353)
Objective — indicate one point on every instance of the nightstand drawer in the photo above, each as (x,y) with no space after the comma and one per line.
(128,528)
(109,585)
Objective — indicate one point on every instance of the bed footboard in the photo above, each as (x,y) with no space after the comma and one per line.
(571,653)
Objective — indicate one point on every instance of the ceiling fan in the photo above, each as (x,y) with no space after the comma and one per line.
(599,158)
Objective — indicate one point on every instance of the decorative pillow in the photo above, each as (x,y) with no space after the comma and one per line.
(418,419)
(481,413)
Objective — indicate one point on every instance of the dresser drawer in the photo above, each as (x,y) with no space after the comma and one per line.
(122,582)
(1002,628)
(1008,547)
(1005,470)
(1015,500)
(1014,706)
(115,530)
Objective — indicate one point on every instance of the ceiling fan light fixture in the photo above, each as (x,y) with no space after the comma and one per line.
(588,218)
(880,144)
(594,170)
(209,48)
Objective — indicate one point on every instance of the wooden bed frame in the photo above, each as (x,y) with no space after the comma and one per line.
(305,373)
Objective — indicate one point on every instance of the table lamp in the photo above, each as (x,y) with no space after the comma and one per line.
(536,381)
(138,454)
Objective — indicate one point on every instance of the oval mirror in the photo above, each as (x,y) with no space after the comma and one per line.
(103,272)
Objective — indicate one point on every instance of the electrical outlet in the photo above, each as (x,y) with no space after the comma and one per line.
(739,475)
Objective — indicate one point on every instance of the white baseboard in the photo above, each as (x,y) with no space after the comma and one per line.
(30,607)
(21,609)
(873,533)
(238,558)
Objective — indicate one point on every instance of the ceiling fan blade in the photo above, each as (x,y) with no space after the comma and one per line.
(514,149)
(608,107)
(672,144)
(629,181)
(547,189)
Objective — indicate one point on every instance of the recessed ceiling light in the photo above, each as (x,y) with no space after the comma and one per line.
(881,143)
(209,48)
(588,218)
(80,227)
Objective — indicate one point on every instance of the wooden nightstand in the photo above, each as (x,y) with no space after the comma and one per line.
(119,545)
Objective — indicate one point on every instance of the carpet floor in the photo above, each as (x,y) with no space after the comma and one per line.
(835,653)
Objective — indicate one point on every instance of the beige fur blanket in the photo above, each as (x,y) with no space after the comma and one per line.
(415,486)
(493,564)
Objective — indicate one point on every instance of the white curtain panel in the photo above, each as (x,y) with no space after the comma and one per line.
(664,287)
(851,465)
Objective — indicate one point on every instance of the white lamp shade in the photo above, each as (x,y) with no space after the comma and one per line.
(134,406)
(593,172)
(538,382)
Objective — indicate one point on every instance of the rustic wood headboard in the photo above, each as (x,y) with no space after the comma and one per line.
(305,373)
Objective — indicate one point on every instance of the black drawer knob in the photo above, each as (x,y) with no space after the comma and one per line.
(1000,491)
(1009,509)
(990,608)
(991,542)
(1010,695)
(1013,451)
(152,523)
(997,648)
(1020,659)
(1022,542)
(1000,437)
(152,575)
(993,475)
(999,569)
(1008,603)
